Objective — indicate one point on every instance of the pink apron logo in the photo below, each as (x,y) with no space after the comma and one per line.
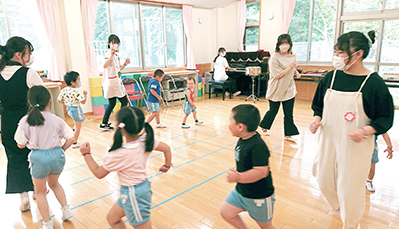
(349,116)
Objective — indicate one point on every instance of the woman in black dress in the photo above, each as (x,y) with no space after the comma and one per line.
(15,81)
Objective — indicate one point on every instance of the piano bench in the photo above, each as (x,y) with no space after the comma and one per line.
(219,84)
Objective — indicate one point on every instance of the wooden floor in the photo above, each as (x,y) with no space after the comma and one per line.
(189,195)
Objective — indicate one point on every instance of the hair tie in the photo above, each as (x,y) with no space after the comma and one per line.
(369,41)
(121,125)
(37,105)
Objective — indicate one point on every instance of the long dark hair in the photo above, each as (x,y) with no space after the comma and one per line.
(221,49)
(280,40)
(133,118)
(357,41)
(38,97)
(13,45)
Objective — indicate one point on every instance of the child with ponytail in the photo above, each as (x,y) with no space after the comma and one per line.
(133,142)
(41,132)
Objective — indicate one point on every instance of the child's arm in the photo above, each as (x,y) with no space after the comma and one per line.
(188,94)
(85,97)
(163,147)
(60,98)
(154,93)
(68,143)
(249,176)
(97,170)
(59,101)
(20,138)
(389,149)
(127,61)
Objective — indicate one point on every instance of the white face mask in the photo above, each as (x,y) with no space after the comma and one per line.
(339,62)
(115,47)
(30,62)
(284,47)
(223,54)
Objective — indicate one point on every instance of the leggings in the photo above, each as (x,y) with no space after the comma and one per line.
(111,105)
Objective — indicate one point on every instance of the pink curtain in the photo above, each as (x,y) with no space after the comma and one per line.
(89,9)
(188,30)
(241,21)
(287,10)
(47,14)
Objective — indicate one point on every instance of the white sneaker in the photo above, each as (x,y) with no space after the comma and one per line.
(265,132)
(237,93)
(370,186)
(185,126)
(76,145)
(199,122)
(66,213)
(289,138)
(48,225)
(25,205)
(160,125)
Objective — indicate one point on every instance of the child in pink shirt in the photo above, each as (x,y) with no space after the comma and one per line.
(129,161)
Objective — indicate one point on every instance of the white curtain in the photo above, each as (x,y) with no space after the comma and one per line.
(241,21)
(188,30)
(89,9)
(47,14)
(287,10)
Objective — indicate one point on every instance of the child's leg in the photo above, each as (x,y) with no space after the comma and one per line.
(230,214)
(157,118)
(152,116)
(372,172)
(185,118)
(268,225)
(57,189)
(195,115)
(41,199)
(78,126)
(146,225)
(114,217)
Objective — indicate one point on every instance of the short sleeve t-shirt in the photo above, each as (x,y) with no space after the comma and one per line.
(153,84)
(71,97)
(250,153)
(129,162)
(220,68)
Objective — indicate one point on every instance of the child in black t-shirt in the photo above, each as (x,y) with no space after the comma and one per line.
(254,191)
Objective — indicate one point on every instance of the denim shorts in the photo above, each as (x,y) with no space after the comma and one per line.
(46,161)
(154,107)
(374,158)
(136,202)
(261,210)
(76,113)
(188,108)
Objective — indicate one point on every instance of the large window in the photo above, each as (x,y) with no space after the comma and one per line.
(151,36)
(251,39)
(21,18)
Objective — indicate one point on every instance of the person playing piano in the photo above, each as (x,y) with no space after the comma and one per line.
(221,65)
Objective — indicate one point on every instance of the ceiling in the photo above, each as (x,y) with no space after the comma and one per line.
(208,4)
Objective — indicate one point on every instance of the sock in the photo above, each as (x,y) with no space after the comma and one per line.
(24,195)
(368,180)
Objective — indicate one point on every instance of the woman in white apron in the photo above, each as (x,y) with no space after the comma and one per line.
(112,83)
(350,105)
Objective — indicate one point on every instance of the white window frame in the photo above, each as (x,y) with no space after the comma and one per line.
(254,24)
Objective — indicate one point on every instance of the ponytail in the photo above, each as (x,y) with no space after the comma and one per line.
(35,117)
(118,140)
(13,45)
(149,141)
(221,49)
(38,97)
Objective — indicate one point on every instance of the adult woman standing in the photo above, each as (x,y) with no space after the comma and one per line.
(281,88)
(15,81)
(350,105)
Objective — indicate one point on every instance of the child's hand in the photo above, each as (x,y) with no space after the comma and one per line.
(84,92)
(85,148)
(389,151)
(357,135)
(195,107)
(233,176)
(127,61)
(164,168)
(314,126)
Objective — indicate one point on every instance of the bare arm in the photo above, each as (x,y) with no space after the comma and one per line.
(154,93)
(163,147)
(85,95)
(389,148)
(285,72)
(68,143)
(98,171)
(249,176)
(59,101)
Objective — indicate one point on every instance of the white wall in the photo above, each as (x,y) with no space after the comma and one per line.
(202,35)
(269,29)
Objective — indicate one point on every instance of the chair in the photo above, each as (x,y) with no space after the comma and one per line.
(219,84)
(133,93)
(144,84)
(170,81)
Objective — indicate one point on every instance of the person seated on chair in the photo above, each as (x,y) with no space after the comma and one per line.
(220,71)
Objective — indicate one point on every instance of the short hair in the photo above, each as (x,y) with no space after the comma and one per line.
(248,115)
(191,78)
(114,39)
(70,77)
(280,40)
(158,72)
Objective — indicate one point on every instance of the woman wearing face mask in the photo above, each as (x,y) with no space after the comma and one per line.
(221,65)
(350,105)
(112,83)
(281,88)
(15,81)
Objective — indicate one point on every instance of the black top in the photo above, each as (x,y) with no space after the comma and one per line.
(14,92)
(377,101)
(250,153)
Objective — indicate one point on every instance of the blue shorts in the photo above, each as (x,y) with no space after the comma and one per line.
(76,113)
(374,158)
(188,108)
(46,161)
(154,107)
(136,202)
(261,210)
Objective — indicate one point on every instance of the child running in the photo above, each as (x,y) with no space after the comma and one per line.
(154,96)
(42,131)
(71,97)
(188,106)
(254,191)
(374,160)
(129,160)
